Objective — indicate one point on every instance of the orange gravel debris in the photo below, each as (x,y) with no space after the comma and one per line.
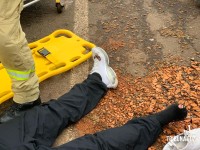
(148,95)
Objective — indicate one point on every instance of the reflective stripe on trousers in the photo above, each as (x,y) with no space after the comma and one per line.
(20,75)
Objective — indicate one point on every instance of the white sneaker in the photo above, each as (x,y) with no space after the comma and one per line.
(101,66)
(189,140)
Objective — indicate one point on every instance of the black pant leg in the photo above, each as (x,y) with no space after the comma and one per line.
(42,124)
(69,108)
(137,134)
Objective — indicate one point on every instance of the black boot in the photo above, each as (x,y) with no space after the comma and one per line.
(16,109)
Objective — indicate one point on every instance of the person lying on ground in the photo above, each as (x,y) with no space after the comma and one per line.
(38,128)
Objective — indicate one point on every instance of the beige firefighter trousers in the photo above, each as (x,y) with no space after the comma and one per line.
(15,54)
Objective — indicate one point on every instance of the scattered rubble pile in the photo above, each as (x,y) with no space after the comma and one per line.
(147,95)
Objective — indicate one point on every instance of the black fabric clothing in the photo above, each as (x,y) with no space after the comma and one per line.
(137,134)
(38,128)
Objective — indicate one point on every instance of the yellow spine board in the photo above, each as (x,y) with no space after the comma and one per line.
(63,49)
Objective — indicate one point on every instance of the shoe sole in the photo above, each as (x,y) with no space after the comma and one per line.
(115,76)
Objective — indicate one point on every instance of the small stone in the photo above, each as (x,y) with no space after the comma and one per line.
(192,59)
(118,59)
(151,40)
(149,47)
